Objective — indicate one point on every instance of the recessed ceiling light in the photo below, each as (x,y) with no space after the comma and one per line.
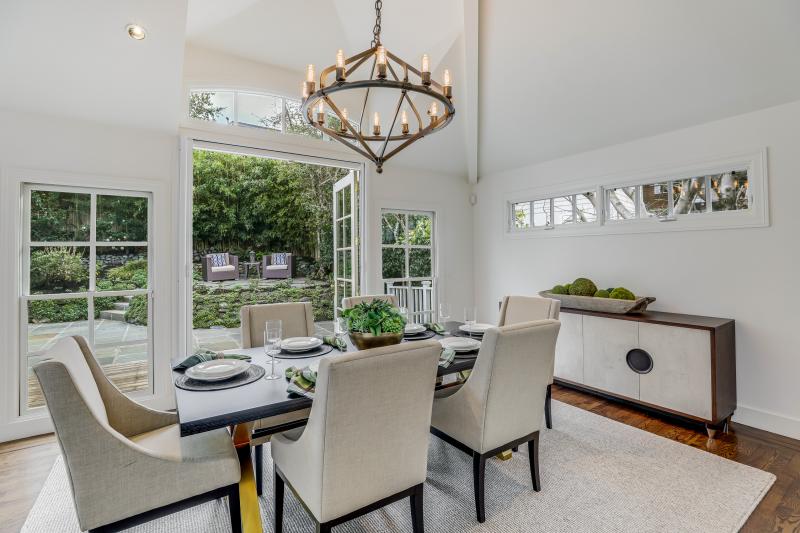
(136,32)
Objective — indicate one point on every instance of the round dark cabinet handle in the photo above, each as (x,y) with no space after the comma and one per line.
(639,361)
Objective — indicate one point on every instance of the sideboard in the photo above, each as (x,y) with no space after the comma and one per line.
(683,365)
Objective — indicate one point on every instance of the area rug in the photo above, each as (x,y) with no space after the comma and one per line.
(597,475)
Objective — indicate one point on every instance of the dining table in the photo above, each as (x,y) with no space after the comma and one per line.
(239,408)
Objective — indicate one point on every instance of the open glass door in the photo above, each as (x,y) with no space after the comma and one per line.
(345,239)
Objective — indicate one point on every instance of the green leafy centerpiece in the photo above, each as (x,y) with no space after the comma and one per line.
(584,294)
(373,324)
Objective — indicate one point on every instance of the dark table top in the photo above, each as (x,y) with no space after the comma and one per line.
(208,410)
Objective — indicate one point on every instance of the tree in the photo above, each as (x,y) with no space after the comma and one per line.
(201,107)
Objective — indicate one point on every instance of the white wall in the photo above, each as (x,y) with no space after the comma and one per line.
(749,275)
(448,197)
(101,154)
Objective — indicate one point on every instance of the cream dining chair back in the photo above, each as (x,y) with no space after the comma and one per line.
(126,463)
(351,301)
(366,441)
(516,309)
(297,321)
(500,405)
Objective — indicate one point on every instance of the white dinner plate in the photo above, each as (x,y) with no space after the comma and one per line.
(475,329)
(414,329)
(217,369)
(300,344)
(460,344)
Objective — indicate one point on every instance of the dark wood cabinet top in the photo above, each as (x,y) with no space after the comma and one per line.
(661,317)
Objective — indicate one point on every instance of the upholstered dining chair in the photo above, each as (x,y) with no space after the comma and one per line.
(126,463)
(297,320)
(366,442)
(348,303)
(500,405)
(516,309)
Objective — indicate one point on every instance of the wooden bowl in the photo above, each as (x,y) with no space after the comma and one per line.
(365,341)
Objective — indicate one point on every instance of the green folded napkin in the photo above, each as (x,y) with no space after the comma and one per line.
(301,381)
(202,356)
(446,357)
(435,327)
(337,342)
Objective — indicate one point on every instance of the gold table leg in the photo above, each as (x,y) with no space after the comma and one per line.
(248,498)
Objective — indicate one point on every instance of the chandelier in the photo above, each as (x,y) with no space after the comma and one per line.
(378,144)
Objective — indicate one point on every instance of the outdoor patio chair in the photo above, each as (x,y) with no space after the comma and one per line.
(220,267)
(277,266)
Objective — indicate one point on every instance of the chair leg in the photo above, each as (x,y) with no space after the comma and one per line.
(234,509)
(417,515)
(533,455)
(478,478)
(259,451)
(279,491)
(323,528)
(548,416)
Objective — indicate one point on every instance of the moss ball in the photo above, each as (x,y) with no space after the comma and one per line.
(602,293)
(621,293)
(610,290)
(567,287)
(582,287)
(559,289)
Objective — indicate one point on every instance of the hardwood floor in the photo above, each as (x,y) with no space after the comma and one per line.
(24,464)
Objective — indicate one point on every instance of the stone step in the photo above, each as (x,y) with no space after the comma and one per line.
(113,314)
(121,306)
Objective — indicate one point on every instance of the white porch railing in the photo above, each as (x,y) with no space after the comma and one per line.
(418,299)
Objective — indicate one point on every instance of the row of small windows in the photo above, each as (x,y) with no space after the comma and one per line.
(257,110)
(666,200)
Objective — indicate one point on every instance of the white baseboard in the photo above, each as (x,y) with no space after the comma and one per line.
(768,421)
(23,428)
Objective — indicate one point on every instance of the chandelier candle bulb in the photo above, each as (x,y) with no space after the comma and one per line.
(404,122)
(433,112)
(426,70)
(340,72)
(321,112)
(381,54)
(309,86)
(447,86)
(376,124)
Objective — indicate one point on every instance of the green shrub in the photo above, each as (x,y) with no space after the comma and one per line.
(621,293)
(58,270)
(567,287)
(48,311)
(582,287)
(137,311)
(559,289)
(131,275)
(602,293)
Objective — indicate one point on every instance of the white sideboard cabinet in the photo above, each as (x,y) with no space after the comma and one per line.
(684,365)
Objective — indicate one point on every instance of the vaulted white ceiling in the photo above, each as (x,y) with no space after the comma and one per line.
(75,59)
(556,78)
(567,76)
(293,33)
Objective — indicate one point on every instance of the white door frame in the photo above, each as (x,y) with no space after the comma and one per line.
(12,425)
(219,143)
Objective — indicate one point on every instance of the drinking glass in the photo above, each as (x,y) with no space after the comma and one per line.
(272,345)
(469,318)
(444,317)
(339,329)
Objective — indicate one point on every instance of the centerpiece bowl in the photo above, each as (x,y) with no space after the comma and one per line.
(374,324)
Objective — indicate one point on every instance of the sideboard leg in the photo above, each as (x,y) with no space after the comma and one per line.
(711,430)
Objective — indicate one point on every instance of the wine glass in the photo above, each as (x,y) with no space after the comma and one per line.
(339,329)
(444,316)
(469,318)
(272,345)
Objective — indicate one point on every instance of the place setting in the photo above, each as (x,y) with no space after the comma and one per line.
(206,371)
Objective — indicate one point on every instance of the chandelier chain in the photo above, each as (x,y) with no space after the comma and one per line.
(376,30)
